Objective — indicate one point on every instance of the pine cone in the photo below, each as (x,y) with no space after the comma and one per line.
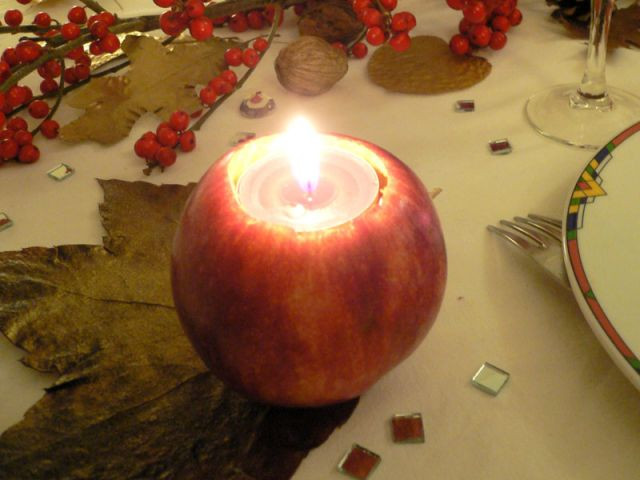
(572,13)
(333,20)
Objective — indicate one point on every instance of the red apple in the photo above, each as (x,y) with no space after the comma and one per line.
(307,318)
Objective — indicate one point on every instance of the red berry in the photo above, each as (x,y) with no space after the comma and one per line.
(42,19)
(165,156)
(76,53)
(464,26)
(95,48)
(201,28)
(500,23)
(371,17)
(48,85)
(221,86)
(3,119)
(233,56)
(50,128)
(194,8)
(23,137)
(238,22)
(359,50)
(69,76)
(146,147)
(173,23)
(515,17)
(269,13)
(82,72)
(340,46)
(70,31)
(9,55)
(504,8)
(179,120)
(389,4)
(403,22)
(110,43)
(149,134)
(208,96)
(459,44)
(167,136)
(28,50)
(229,76)
(359,5)
(497,41)
(107,17)
(457,4)
(9,149)
(16,96)
(28,153)
(400,41)
(255,19)
(38,109)
(250,57)
(24,2)
(83,59)
(480,35)
(163,3)
(13,18)
(375,36)
(6,134)
(260,44)
(77,15)
(51,69)
(187,141)
(99,29)
(475,12)
(17,123)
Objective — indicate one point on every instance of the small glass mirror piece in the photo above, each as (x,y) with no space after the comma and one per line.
(490,378)
(359,462)
(5,221)
(464,106)
(500,147)
(60,172)
(407,428)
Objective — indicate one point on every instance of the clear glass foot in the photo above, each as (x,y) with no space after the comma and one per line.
(562,114)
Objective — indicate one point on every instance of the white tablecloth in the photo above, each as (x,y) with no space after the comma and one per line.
(566,413)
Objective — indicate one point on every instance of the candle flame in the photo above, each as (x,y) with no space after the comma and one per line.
(303,148)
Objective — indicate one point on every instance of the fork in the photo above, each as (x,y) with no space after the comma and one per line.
(539,237)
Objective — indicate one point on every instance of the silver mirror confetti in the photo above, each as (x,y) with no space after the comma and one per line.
(500,147)
(359,462)
(464,106)
(490,378)
(60,172)
(5,221)
(407,428)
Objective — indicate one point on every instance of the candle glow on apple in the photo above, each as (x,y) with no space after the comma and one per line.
(306,267)
(307,183)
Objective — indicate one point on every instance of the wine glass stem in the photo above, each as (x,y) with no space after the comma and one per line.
(592,92)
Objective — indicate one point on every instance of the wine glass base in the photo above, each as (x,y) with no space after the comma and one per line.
(553,114)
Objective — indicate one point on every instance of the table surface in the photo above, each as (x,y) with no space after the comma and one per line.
(567,412)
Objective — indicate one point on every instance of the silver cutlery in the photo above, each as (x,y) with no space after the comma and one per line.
(540,238)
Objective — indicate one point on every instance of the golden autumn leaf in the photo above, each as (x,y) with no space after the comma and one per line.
(427,67)
(133,400)
(160,80)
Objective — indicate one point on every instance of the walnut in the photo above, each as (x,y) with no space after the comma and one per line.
(333,20)
(310,66)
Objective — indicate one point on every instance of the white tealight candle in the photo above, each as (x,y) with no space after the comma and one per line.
(313,186)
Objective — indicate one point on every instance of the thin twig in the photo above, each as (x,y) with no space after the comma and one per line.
(93,5)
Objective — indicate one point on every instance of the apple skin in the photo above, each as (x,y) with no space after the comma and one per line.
(308,318)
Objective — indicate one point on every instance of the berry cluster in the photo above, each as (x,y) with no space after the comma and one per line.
(70,67)
(381,26)
(255,19)
(159,148)
(185,14)
(484,23)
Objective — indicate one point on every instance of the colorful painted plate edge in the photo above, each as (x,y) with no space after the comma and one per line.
(586,189)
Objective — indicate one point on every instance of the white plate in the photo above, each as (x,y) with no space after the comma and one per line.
(602,248)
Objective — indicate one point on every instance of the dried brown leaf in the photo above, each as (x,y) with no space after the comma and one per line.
(161,80)
(427,67)
(132,400)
